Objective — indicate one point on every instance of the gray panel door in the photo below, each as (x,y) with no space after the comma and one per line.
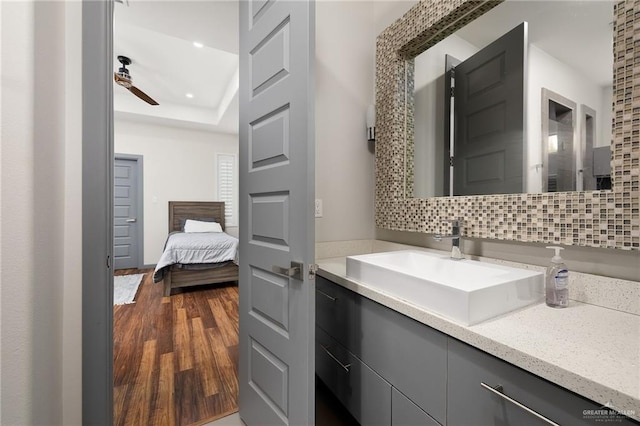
(125,214)
(489,119)
(277,312)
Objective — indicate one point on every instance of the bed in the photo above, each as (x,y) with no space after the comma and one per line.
(186,274)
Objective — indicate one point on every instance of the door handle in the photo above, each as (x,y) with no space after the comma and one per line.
(131,220)
(295,271)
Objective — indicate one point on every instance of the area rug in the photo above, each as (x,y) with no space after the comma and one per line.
(125,288)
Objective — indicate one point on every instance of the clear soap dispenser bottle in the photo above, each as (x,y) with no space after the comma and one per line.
(557,281)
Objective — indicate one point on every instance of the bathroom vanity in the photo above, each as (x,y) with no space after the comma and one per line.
(390,362)
(389,359)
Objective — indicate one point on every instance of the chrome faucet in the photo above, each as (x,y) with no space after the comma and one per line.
(455,237)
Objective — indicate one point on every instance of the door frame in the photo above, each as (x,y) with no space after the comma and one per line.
(585,173)
(97,212)
(548,95)
(97,216)
(140,200)
(450,63)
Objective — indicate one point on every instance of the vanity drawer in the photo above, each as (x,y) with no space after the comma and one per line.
(406,413)
(364,393)
(333,308)
(469,403)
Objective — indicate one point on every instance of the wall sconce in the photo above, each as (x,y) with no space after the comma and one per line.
(371,123)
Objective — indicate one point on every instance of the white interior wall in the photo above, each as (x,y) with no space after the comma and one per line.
(606,118)
(429,117)
(386,12)
(344,88)
(32,218)
(545,71)
(16,215)
(179,165)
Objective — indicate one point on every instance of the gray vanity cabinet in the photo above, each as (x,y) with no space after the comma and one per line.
(389,369)
(469,403)
(405,353)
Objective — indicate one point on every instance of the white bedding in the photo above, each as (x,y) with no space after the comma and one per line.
(197,248)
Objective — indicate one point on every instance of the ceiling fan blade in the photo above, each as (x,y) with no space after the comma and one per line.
(139,93)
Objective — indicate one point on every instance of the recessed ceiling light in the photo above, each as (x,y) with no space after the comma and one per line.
(198,44)
(189,95)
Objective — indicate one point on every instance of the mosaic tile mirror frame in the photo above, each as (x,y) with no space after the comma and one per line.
(589,218)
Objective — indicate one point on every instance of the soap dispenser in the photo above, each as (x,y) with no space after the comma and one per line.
(557,281)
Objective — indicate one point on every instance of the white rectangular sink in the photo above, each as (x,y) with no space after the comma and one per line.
(466,291)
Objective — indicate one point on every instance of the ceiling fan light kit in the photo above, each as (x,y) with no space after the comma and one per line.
(123,78)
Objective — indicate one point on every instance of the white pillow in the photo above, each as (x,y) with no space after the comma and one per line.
(191,225)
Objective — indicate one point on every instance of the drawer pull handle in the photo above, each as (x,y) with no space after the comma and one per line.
(498,390)
(345,367)
(333,299)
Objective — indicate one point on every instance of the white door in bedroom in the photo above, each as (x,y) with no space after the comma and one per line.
(126,213)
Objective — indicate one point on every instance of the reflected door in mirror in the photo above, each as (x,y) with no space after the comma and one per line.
(489,118)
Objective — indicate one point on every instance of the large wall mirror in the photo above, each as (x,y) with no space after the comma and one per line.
(516,116)
(518,100)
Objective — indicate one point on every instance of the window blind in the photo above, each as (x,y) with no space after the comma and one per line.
(227,187)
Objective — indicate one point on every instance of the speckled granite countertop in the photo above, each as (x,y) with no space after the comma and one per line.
(590,350)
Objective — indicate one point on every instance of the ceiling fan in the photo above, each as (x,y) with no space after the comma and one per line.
(123,78)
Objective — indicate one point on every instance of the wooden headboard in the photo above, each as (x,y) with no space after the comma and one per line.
(181,210)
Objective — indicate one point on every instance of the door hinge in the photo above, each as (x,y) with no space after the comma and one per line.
(451,161)
(452,79)
(313,268)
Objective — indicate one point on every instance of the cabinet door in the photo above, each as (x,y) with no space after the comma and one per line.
(469,403)
(365,394)
(408,354)
(406,413)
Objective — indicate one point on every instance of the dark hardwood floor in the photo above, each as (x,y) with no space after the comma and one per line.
(175,359)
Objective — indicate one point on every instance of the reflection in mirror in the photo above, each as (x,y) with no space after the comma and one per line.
(567,53)
(559,153)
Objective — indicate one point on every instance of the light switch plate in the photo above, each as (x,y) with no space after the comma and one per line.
(318,212)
